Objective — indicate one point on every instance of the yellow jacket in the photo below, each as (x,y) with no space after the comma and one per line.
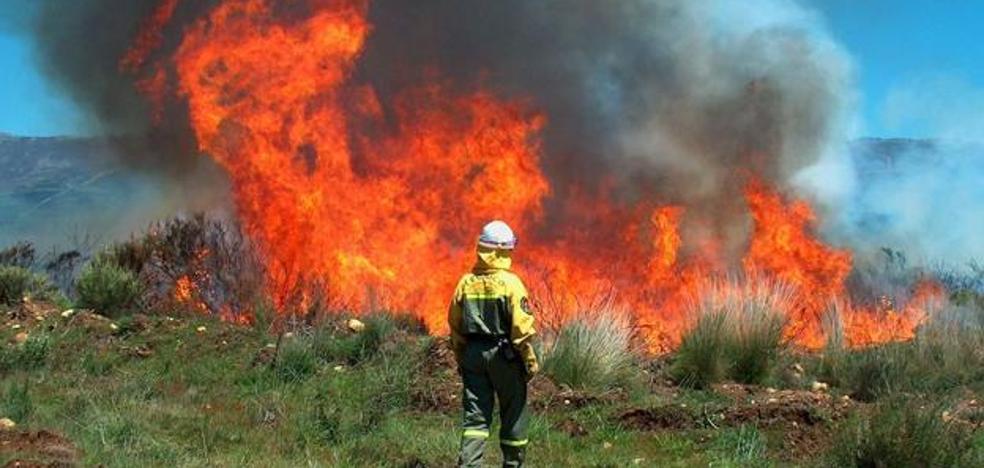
(492,301)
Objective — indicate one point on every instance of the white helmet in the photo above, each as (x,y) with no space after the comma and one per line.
(497,235)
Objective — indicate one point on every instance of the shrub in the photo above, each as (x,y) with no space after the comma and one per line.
(593,351)
(947,351)
(17,282)
(905,435)
(738,334)
(16,403)
(31,354)
(108,289)
(21,254)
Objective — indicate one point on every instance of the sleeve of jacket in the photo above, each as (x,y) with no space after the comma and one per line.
(454,324)
(523,329)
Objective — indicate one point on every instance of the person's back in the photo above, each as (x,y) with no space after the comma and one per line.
(491,330)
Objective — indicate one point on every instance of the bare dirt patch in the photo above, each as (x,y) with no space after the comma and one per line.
(803,418)
(38,449)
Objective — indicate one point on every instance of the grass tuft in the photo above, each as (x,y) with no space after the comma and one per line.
(16,403)
(593,351)
(738,334)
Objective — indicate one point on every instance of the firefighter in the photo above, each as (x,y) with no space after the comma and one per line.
(491,331)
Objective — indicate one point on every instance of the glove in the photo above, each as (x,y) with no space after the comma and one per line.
(532,368)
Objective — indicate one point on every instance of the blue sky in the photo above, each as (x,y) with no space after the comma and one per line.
(920,70)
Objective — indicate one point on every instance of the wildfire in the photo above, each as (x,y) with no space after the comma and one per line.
(377,201)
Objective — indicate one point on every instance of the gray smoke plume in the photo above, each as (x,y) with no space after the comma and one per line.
(675,100)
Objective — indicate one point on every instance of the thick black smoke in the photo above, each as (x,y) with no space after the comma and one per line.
(80,45)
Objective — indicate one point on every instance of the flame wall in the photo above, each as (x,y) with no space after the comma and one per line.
(635,146)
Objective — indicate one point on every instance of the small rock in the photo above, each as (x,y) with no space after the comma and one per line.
(15,326)
(567,402)
(7,423)
(638,461)
(339,368)
(288,334)
(683,405)
(818,386)
(68,313)
(355,325)
(772,400)
(114,327)
(20,338)
(200,329)
(271,345)
(606,445)
(798,368)
(946,416)
(846,398)
(770,390)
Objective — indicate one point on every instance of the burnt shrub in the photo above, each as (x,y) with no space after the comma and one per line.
(218,269)
(108,289)
(21,254)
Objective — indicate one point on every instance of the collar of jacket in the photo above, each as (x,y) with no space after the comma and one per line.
(491,260)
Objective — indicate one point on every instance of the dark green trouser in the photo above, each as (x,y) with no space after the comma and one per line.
(487,374)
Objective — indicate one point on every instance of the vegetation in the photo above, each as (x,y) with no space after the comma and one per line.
(592,352)
(108,288)
(738,334)
(947,353)
(17,282)
(148,384)
(904,434)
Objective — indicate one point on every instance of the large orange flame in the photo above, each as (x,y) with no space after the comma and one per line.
(377,203)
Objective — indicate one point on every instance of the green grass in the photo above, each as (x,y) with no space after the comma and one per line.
(593,352)
(945,355)
(737,334)
(210,398)
(906,434)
